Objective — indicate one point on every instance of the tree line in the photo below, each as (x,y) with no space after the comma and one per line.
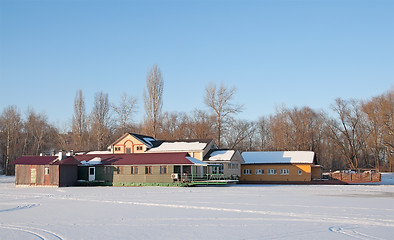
(352,134)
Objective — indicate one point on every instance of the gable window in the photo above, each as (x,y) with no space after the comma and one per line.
(284,172)
(299,172)
(148,170)
(247,171)
(271,171)
(259,171)
(163,169)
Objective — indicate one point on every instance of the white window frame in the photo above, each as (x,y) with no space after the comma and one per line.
(284,171)
(259,172)
(272,172)
(247,172)
(299,172)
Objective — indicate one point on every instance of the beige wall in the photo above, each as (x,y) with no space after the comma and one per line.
(130,142)
(125,176)
(293,172)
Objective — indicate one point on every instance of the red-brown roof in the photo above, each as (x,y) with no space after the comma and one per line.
(138,158)
(180,158)
(45,160)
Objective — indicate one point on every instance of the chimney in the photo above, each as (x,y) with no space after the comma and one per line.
(62,155)
(71,153)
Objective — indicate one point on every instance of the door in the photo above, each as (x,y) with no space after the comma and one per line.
(33,176)
(46,175)
(92,174)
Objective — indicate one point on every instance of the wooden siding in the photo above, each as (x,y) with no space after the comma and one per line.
(293,173)
(68,175)
(317,172)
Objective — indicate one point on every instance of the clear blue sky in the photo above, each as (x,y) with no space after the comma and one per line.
(278,52)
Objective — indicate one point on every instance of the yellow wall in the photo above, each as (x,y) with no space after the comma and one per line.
(129,142)
(293,174)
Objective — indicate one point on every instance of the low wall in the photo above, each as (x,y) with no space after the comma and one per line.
(350,177)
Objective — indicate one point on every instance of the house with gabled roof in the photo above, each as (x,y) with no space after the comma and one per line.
(279,167)
(226,162)
(133,143)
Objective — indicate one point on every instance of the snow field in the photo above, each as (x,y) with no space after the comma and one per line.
(231,212)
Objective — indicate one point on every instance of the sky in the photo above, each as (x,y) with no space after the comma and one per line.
(291,53)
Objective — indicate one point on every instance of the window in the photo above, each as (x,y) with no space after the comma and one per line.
(117,148)
(229,166)
(163,169)
(247,171)
(271,171)
(299,172)
(46,170)
(139,148)
(148,170)
(133,170)
(128,150)
(284,172)
(259,171)
(218,170)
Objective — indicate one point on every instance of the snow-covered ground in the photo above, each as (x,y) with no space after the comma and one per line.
(231,212)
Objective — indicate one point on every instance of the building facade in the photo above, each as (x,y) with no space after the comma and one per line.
(277,167)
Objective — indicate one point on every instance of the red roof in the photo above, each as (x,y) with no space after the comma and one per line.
(111,159)
(139,158)
(45,160)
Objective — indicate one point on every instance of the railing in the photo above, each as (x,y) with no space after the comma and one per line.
(202,178)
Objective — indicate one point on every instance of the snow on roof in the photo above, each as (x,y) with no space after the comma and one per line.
(179,146)
(221,155)
(149,141)
(196,161)
(279,157)
(94,161)
(97,152)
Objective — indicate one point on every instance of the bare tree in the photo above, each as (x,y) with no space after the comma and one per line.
(200,125)
(380,111)
(101,120)
(79,122)
(265,134)
(10,132)
(124,111)
(153,96)
(219,100)
(239,132)
(348,133)
(38,134)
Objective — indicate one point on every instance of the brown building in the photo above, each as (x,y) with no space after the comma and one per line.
(46,171)
(277,167)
